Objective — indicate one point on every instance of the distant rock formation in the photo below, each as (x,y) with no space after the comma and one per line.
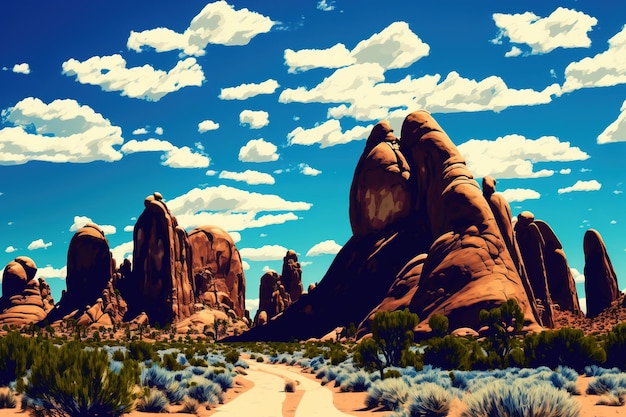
(292,275)
(89,273)
(273,298)
(601,286)
(24,300)
(424,238)
(217,270)
(162,286)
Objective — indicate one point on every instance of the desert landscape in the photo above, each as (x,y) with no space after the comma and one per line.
(472,279)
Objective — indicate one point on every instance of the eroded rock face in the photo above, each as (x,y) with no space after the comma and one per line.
(292,275)
(217,269)
(161,275)
(379,194)
(22,301)
(273,298)
(600,279)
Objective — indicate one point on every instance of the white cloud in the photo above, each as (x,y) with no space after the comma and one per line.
(326,6)
(520,194)
(50,272)
(10,249)
(252,305)
(245,91)
(233,209)
(327,134)
(255,119)
(307,170)
(218,23)
(39,244)
(582,301)
(206,125)
(613,222)
(565,171)
(173,156)
(616,131)
(592,185)
(22,68)
(235,236)
(129,228)
(515,51)
(327,247)
(396,46)
(514,156)
(123,251)
(603,70)
(64,131)
(248,176)
(211,173)
(258,150)
(140,131)
(245,265)
(578,277)
(564,28)
(81,221)
(111,74)
(158,131)
(265,253)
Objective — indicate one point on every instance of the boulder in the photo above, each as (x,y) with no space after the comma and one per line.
(601,286)
(292,275)
(273,298)
(22,302)
(217,267)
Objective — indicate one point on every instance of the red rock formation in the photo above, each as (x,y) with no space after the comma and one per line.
(217,269)
(379,193)
(22,301)
(161,276)
(292,275)
(273,298)
(601,286)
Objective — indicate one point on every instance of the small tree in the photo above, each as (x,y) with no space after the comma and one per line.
(615,346)
(392,333)
(439,325)
(504,323)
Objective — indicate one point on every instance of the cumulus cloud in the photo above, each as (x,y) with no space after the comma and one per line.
(62,131)
(122,251)
(245,91)
(10,249)
(22,68)
(48,271)
(307,170)
(233,209)
(158,131)
(140,131)
(326,6)
(565,171)
(39,244)
(129,228)
(218,23)
(564,28)
(248,176)
(580,185)
(603,70)
(578,277)
(327,247)
(515,51)
(583,304)
(81,221)
(258,150)
(246,266)
(327,134)
(252,305)
(396,46)
(173,156)
(146,83)
(616,131)
(206,125)
(514,156)
(265,253)
(255,119)
(520,194)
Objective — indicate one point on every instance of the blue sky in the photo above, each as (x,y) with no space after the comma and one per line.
(252,116)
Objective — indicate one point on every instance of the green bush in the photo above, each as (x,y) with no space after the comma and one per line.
(16,353)
(615,347)
(232,356)
(75,382)
(503,324)
(446,353)
(153,401)
(141,351)
(118,355)
(439,325)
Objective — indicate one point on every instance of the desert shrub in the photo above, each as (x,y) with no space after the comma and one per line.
(357,382)
(612,399)
(594,370)
(154,401)
(392,333)
(260,359)
(171,363)
(503,324)
(190,406)
(439,325)
(338,355)
(392,373)
(390,393)
(223,379)
(78,382)
(141,351)
(446,353)
(156,377)
(520,398)
(290,386)
(17,353)
(118,355)
(566,346)
(606,383)
(175,392)
(232,356)
(429,400)
(615,346)
(206,392)
(7,398)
